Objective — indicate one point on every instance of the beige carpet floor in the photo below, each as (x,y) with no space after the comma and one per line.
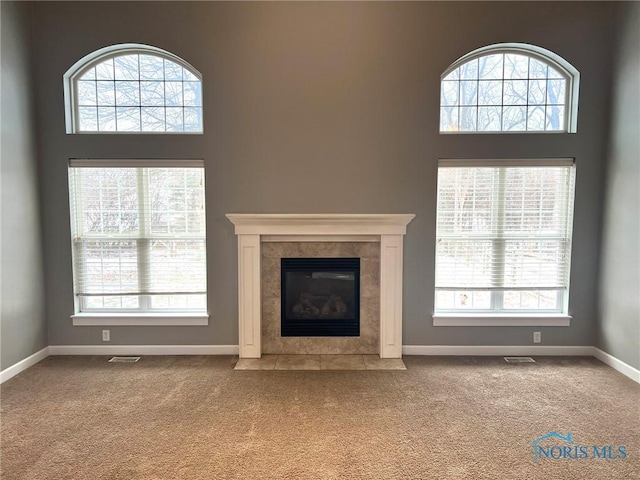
(175,418)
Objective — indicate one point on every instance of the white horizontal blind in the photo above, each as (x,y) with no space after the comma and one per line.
(138,230)
(504,225)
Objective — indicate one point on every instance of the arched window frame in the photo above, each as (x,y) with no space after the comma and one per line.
(568,71)
(89,61)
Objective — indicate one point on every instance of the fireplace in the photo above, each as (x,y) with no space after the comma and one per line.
(320,297)
(258,231)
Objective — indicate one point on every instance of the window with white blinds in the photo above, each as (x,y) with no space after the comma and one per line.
(138,233)
(504,235)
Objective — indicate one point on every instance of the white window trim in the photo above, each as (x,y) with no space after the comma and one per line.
(507,320)
(90,60)
(133,318)
(547,56)
(140,319)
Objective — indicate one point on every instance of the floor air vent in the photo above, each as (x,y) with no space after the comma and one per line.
(124,359)
(519,360)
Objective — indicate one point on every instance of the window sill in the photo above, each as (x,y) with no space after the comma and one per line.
(507,320)
(140,319)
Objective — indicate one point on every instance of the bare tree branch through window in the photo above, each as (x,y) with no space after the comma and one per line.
(138,92)
(504,91)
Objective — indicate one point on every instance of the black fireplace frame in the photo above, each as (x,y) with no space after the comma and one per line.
(349,327)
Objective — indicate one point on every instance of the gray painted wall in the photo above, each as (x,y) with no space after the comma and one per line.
(619,332)
(22,319)
(323,107)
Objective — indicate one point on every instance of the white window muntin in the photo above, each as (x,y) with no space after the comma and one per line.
(493,240)
(84,65)
(149,280)
(566,71)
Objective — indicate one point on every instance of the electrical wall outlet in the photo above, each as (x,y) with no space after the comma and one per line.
(537,337)
(106,335)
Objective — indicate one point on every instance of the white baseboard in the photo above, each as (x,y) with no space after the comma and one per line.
(143,349)
(497,350)
(22,365)
(622,367)
(459,350)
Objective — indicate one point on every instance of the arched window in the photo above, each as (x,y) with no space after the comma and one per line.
(509,87)
(133,88)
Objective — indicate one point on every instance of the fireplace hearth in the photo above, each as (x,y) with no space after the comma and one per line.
(320,297)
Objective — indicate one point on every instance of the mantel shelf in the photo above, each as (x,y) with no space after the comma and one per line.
(319,224)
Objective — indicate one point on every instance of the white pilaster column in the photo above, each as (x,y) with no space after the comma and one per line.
(391,296)
(249,308)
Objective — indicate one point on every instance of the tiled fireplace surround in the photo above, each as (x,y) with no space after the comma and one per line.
(367,342)
(265,238)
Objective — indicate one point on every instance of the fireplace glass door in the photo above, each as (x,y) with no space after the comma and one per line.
(320,297)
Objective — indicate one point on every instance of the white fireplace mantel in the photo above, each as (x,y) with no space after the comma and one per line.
(252,229)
